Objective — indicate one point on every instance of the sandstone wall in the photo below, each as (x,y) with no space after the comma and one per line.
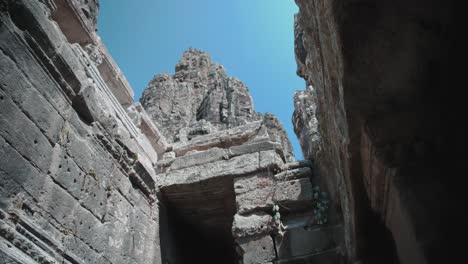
(371,119)
(77,183)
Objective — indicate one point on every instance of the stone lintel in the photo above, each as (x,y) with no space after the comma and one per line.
(217,154)
(294,174)
(247,164)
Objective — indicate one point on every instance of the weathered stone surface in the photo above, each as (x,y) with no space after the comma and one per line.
(150,132)
(198,158)
(195,158)
(253,224)
(305,122)
(297,164)
(78,18)
(376,72)
(201,98)
(237,166)
(224,138)
(254,146)
(295,193)
(277,133)
(256,250)
(77,183)
(200,89)
(254,192)
(294,174)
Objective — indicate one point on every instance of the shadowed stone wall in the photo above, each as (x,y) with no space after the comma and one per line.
(77,183)
(371,119)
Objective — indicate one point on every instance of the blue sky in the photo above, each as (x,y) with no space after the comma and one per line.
(253,39)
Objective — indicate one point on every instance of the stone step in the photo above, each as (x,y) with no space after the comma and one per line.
(331,256)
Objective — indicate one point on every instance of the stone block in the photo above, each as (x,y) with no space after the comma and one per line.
(294,193)
(256,250)
(254,224)
(199,158)
(237,166)
(254,192)
(250,147)
(29,141)
(224,138)
(271,160)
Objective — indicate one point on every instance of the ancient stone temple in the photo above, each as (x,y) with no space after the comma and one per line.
(226,168)
(193,174)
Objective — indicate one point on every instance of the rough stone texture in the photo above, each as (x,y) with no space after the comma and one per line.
(77,183)
(306,124)
(223,186)
(373,74)
(254,224)
(257,250)
(78,18)
(294,174)
(200,89)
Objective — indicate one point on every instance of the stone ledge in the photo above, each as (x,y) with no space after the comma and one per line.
(226,138)
(259,223)
(298,164)
(293,174)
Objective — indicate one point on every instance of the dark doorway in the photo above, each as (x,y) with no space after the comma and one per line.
(196,222)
